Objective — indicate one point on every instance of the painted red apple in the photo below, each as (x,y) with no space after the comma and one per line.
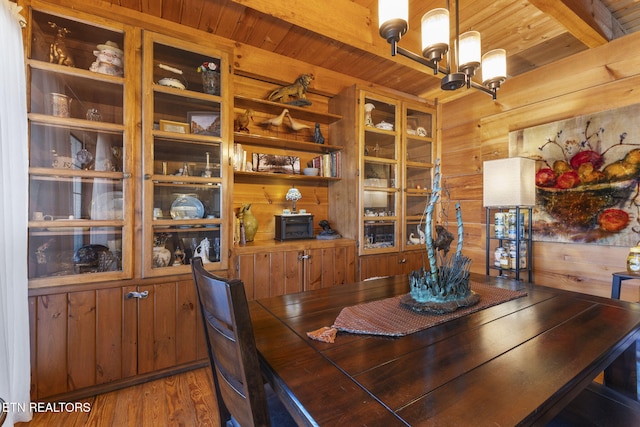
(587,156)
(613,220)
(545,177)
(569,179)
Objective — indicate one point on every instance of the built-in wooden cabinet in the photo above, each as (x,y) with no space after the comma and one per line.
(387,177)
(128,154)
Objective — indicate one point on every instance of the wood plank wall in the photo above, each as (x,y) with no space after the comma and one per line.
(475,129)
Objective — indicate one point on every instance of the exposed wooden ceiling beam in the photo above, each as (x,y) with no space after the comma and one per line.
(344,21)
(339,20)
(587,20)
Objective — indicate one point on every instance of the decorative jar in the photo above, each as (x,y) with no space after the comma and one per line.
(633,259)
(250,223)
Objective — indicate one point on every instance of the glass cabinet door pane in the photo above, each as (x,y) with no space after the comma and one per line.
(379,234)
(380,119)
(185,203)
(414,230)
(417,173)
(419,123)
(417,178)
(75,148)
(186,159)
(65,248)
(77,152)
(184,147)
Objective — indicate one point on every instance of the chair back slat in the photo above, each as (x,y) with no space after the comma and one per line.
(231,347)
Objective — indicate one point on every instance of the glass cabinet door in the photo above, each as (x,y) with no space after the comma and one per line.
(418,168)
(185,118)
(379,173)
(79,158)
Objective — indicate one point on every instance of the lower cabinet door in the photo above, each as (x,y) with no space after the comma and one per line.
(87,338)
(278,272)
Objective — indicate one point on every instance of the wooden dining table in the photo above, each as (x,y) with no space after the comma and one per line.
(515,363)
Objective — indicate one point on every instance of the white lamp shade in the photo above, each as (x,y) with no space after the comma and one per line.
(509,182)
(435,28)
(389,10)
(469,52)
(494,66)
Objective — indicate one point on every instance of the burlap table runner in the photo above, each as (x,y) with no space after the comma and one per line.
(389,317)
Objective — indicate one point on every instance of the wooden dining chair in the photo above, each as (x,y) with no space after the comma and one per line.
(243,398)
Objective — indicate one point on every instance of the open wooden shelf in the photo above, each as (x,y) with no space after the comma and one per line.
(287,144)
(299,113)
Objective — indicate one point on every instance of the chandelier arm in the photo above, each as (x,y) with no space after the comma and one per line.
(422,60)
(492,92)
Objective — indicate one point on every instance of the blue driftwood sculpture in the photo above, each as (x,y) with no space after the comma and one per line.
(444,288)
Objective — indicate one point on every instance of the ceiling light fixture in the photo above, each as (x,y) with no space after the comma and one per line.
(393,18)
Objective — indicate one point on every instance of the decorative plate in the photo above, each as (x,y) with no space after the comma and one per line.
(187,206)
(171,82)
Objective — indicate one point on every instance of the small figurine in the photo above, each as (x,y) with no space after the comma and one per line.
(295,125)
(202,250)
(317,135)
(297,90)
(241,123)
(178,256)
(327,232)
(108,59)
(368,108)
(58,53)
(275,121)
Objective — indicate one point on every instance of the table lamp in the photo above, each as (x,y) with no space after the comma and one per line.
(509,182)
(293,194)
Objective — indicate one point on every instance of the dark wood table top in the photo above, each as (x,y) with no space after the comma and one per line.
(516,363)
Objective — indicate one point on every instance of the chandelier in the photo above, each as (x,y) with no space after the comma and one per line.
(393,18)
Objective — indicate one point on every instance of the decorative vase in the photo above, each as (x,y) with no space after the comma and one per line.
(161,256)
(250,223)
(211,82)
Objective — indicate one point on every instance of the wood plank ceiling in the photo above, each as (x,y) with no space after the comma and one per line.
(342,35)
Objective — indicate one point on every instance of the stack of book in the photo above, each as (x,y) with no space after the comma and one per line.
(239,158)
(330,164)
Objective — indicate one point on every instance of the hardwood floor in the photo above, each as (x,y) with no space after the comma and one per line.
(185,399)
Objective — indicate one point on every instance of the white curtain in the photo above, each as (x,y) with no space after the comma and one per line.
(14,317)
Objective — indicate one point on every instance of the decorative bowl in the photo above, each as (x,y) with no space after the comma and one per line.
(310,171)
(580,206)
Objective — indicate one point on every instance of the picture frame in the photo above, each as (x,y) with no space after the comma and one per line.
(204,122)
(171,126)
(288,165)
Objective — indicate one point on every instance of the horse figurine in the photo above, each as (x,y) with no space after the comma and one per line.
(202,250)
(58,53)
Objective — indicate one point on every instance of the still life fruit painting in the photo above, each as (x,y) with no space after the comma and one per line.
(587,177)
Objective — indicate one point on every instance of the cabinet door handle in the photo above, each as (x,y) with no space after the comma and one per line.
(303,257)
(147,176)
(139,295)
(126,175)
(402,261)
